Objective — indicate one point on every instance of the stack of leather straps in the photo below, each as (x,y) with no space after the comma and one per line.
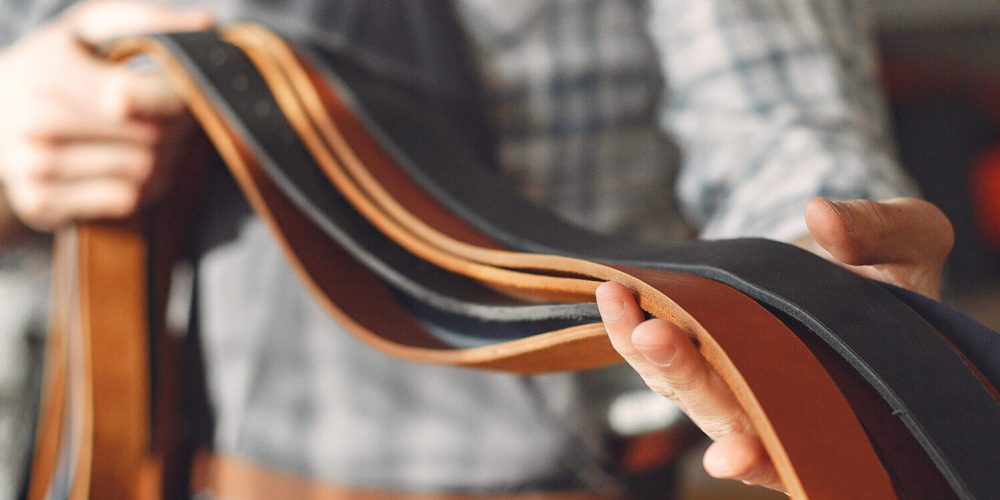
(856,389)
(109,419)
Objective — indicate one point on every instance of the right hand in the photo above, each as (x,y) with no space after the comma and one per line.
(82,138)
(903,241)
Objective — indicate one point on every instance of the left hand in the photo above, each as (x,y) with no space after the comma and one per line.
(902,241)
(81,138)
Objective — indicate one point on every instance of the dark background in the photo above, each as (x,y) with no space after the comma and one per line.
(941,67)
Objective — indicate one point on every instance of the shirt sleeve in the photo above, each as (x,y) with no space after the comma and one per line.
(20,17)
(772,102)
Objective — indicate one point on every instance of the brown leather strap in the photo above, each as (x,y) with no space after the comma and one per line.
(116,351)
(95,426)
(97,412)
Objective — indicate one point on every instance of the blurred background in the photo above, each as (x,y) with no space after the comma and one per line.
(942,74)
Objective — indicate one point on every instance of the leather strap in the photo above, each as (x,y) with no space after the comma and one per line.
(281,159)
(96,398)
(108,428)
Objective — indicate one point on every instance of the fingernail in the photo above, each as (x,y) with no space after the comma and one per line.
(662,356)
(611,308)
(845,214)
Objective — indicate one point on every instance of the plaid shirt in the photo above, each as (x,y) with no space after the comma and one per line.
(662,119)
(748,108)
(23,285)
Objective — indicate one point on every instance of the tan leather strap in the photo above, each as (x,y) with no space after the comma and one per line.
(48,433)
(97,411)
(233,478)
(96,401)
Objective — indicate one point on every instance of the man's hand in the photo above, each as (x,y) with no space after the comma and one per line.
(81,138)
(901,241)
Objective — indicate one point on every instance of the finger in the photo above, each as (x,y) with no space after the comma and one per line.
(904,241)
(128,95)
(666,359)
(98,198)
(694,384)
(620,315)
(76,161)
(741,457)
(120,103)
(80,113)
(50,206)
(864,232)
(98,21)
(150,94)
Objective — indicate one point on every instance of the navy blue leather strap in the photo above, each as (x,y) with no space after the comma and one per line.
(975,340)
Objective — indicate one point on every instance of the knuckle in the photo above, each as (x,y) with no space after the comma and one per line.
(725,424)
(118,102)
(155,134)
(852,250)
(685,379)
(124,203)
(142,165)
(35,162)
(941,225)
(41,125)
(663,389)
(878,219)
(118,105)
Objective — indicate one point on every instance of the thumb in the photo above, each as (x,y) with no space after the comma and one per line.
(907,240)
(865,232)
(97,21)
(146,94)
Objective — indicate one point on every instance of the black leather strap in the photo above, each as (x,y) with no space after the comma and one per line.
(447,297)
(976,341)
(930,387)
